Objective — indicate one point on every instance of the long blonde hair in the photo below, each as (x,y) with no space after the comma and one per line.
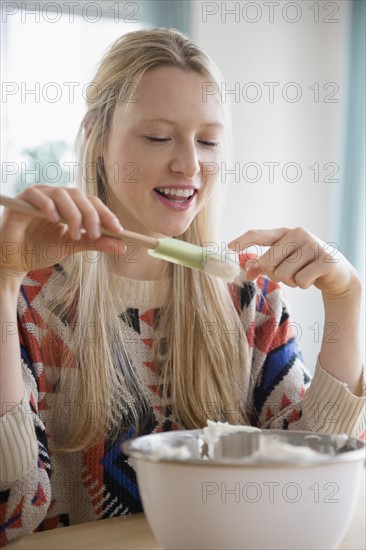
(205,373)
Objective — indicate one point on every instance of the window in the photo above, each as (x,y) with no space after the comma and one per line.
(49,54)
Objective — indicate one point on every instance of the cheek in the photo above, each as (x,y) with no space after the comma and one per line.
(212,183)
(122,167)
(139,166)
(212,190)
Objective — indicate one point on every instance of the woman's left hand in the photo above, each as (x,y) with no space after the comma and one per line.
(298,259)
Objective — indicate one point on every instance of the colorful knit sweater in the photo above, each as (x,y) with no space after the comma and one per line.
(40,489)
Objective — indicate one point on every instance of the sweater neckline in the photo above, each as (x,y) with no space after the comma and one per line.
(143,294)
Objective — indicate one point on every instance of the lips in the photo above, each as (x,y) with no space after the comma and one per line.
(175,193)
(176,198)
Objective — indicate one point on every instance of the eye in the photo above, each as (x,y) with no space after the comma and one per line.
(209,143)
(155,139)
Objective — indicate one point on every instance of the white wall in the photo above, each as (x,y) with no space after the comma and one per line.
(303,132)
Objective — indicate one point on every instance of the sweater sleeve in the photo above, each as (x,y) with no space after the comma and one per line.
(19,449)
(25,493)
(329,407)
(284,395)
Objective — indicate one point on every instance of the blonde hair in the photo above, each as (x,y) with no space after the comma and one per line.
(205,373)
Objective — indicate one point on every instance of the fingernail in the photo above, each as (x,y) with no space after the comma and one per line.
(55,216)
(116,224)
(94,231)
(250,264)
(250,276)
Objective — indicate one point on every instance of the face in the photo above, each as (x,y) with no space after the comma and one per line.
(163,153)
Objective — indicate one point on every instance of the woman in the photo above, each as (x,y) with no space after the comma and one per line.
(116,343)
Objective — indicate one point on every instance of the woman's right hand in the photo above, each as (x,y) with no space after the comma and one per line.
(29,243)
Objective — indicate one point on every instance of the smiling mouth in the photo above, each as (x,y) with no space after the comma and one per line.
(177,195)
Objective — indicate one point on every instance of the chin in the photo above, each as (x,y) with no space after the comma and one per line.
(174,231)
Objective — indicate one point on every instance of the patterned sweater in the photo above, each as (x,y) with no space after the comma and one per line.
(40,489)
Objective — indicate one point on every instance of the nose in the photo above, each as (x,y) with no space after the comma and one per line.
(185,160)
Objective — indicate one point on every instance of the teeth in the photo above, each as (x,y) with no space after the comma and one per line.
(176,192)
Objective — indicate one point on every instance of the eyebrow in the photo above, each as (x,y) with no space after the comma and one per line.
(166,120)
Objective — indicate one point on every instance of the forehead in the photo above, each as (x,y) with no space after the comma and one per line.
(177,95)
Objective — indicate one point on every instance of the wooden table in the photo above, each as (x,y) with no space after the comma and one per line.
(132,533)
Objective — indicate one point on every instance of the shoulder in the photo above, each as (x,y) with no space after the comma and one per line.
(35,285)
(42,277)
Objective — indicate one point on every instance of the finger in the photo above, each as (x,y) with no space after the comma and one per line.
(108,219)
(70,205)
(285,250)
(89,216)
(87,212)
(68,210)
(296,247)
(45,204)
(60,202)
(307,276)
(94,214)
(263,237)
(284,259)
(300,270)
(103,244)
(252,270)
(295,262)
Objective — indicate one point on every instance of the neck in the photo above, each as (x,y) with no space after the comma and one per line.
(136,263)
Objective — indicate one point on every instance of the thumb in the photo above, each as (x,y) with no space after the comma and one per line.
(250,264)
(108,245)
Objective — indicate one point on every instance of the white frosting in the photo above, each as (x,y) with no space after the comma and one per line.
(226,269)
(161,451)
(214,430)
(278,451)
(340,440)
(268,450)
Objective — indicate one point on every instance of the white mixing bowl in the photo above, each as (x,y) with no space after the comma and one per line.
(236,503)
